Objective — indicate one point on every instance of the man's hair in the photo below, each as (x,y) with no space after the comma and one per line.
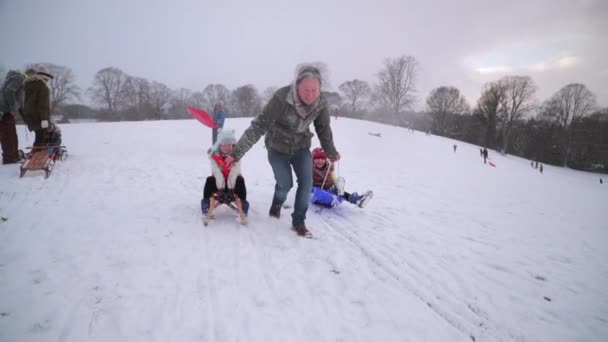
(308,71)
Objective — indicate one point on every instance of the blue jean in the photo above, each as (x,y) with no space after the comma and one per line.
(281,164)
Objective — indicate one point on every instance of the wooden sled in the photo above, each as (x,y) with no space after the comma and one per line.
(42,158)
(235,204)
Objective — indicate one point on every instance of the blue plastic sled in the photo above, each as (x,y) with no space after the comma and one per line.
(325,198)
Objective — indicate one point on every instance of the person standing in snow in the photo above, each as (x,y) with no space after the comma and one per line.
(485,155)
(37,108)
(224,176)
(285,121)
(219,116)
(11,103)
(324,177)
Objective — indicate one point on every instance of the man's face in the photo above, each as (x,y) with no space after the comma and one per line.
(309,90)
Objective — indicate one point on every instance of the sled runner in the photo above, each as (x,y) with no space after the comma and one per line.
(228,198)
(42,158)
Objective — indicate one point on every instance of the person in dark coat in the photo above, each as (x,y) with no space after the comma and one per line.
(11,104)
(285,121)
(37,107)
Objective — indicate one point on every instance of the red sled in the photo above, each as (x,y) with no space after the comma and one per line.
(202,116)
(492,164)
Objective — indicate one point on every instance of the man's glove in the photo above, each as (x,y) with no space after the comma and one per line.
(335,158)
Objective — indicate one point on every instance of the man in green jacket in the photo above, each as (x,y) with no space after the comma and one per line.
(285,121)
(11,103)
(37,107)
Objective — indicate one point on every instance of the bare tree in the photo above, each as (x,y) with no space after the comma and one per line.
(2,73)
(354,91)
(137,97)
(488,107)
(215,93)
(267,94)
(179,102)
(397,83)
(443,103)
(108,88)
(517,102)
(567,107)
(160,95)
(62,86)
(247,101)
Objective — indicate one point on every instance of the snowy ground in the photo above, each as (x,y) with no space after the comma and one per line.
(112,247)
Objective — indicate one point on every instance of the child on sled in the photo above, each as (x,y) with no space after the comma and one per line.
(225,183)
(324,177)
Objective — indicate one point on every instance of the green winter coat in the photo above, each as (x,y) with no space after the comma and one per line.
(37,105)
(11,94)
(285,130)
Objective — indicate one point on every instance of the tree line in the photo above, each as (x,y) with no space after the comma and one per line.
(568,129)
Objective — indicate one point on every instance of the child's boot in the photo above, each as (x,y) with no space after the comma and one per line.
(245,206)
(354,198)
(364,199)
(205,206)
(340,182)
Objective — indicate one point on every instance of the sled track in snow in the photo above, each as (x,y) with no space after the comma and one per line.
(466,328)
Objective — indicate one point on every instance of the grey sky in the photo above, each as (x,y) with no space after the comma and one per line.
(192,43)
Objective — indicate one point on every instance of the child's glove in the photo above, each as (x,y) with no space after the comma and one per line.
(44,124)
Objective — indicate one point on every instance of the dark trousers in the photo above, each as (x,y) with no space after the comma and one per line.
(8,139)
(42,137)
(239,188)
(282,164)
(213,136)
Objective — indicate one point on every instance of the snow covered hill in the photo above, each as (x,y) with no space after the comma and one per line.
(111,247)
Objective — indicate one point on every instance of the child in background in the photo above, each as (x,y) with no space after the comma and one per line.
(225,180)
(323,176)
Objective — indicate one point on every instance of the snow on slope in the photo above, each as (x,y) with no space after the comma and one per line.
(112,246)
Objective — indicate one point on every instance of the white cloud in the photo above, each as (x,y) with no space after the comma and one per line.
(555,64)
(494,69)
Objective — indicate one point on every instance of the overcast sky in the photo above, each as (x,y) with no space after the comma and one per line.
(192,43)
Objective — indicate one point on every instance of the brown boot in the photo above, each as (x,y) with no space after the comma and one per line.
(275,211)
(302,231)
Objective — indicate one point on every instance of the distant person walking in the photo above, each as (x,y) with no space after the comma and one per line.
(541,168)
(219,116)
(485,155)
(455,147)
(601,181)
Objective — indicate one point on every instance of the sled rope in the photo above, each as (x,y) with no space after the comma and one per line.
(326,174)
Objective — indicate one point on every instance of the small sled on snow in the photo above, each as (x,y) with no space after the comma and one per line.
(228,198)
(42,158)
(324,198)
